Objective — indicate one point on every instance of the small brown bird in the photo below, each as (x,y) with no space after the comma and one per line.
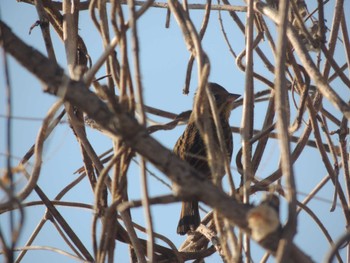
(191,148)
(264,218)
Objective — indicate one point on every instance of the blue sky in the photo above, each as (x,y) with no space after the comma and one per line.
(163,65)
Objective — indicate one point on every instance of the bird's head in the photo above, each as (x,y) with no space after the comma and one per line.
(223,99)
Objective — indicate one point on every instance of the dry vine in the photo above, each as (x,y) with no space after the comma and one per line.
(304,46)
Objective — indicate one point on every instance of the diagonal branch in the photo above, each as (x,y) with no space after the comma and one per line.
(125,127)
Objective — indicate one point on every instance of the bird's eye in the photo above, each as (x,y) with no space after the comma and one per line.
(216,97)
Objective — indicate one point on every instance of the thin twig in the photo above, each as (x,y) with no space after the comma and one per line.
(281,98)
(52,249)
(307,62)
(38,154)
(141,110)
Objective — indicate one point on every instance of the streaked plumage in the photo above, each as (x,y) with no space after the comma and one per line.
(191,148)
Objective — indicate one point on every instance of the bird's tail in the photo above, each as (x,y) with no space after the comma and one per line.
(189,218)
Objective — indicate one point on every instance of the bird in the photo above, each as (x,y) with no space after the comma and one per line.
(264,218)
(191,148)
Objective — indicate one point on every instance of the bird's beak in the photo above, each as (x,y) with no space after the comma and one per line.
(232,97)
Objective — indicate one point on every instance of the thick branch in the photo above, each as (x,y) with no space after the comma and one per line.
(125,127)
